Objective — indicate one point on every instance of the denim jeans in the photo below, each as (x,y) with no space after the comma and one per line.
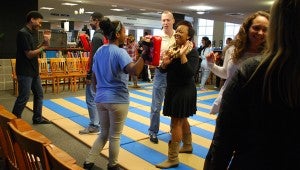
(204,76)
(158,94)
(91,105)
(25,84)
(112,120)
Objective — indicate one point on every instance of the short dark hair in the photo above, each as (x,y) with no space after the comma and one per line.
(97,15)
(33,14)
(205,38)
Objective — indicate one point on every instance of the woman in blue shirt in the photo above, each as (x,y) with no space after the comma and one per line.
(111,67)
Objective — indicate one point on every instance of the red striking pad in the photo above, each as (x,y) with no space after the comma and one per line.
(151,49)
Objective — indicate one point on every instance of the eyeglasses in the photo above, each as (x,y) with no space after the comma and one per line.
(118,27)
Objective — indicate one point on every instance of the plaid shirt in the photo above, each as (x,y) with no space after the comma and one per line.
(132,50)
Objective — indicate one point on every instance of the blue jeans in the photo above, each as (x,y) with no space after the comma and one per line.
(25,84)
(158,94)
(91,105)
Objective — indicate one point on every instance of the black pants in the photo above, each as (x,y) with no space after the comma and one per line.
(144,73)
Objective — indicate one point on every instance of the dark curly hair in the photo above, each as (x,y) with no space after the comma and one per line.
(191,30)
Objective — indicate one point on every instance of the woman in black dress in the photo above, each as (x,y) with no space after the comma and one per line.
(180,62)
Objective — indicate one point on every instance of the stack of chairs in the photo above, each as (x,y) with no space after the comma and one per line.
(75,71)
(26,149)
(58,71)
(46,76)
(71,71)
(84,61)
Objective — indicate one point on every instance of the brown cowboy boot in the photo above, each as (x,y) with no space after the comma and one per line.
(187,146)
(172,160)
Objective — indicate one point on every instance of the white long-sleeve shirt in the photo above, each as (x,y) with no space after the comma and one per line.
(226,72)
(204,53)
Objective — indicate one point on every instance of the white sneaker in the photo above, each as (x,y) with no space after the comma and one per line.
(203,89)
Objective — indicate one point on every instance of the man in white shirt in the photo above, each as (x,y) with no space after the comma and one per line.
(160,82)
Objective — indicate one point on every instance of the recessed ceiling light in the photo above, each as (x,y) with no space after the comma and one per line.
(201,8)
(118,9)
(47,8)
(69,4)
(201,12)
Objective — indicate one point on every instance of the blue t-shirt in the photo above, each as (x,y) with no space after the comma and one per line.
(112,80)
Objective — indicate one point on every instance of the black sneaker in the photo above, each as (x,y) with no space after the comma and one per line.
(88,166)
(153,138)
(116,167)
(42,121)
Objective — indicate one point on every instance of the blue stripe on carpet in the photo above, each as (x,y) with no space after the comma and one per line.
(139,101)
(198,150)
(141,94)
(203,109)
(77,101)
(207,93)
(79,119)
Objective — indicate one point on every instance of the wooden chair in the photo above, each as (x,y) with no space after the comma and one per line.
(72,71)
(77,71)
(59,72)
(6,142)
(84,61)
(14,76)
(45,75)
(31,145)
(60,160)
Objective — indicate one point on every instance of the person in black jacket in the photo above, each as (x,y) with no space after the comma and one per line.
(199,50)
(258,124)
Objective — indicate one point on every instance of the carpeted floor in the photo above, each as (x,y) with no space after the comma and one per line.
(137,152)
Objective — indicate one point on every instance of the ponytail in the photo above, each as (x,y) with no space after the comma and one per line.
(110,28)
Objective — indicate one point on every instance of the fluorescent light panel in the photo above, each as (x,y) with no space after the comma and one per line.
(47,8)
(201,8)
(69,4)
(117,9)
